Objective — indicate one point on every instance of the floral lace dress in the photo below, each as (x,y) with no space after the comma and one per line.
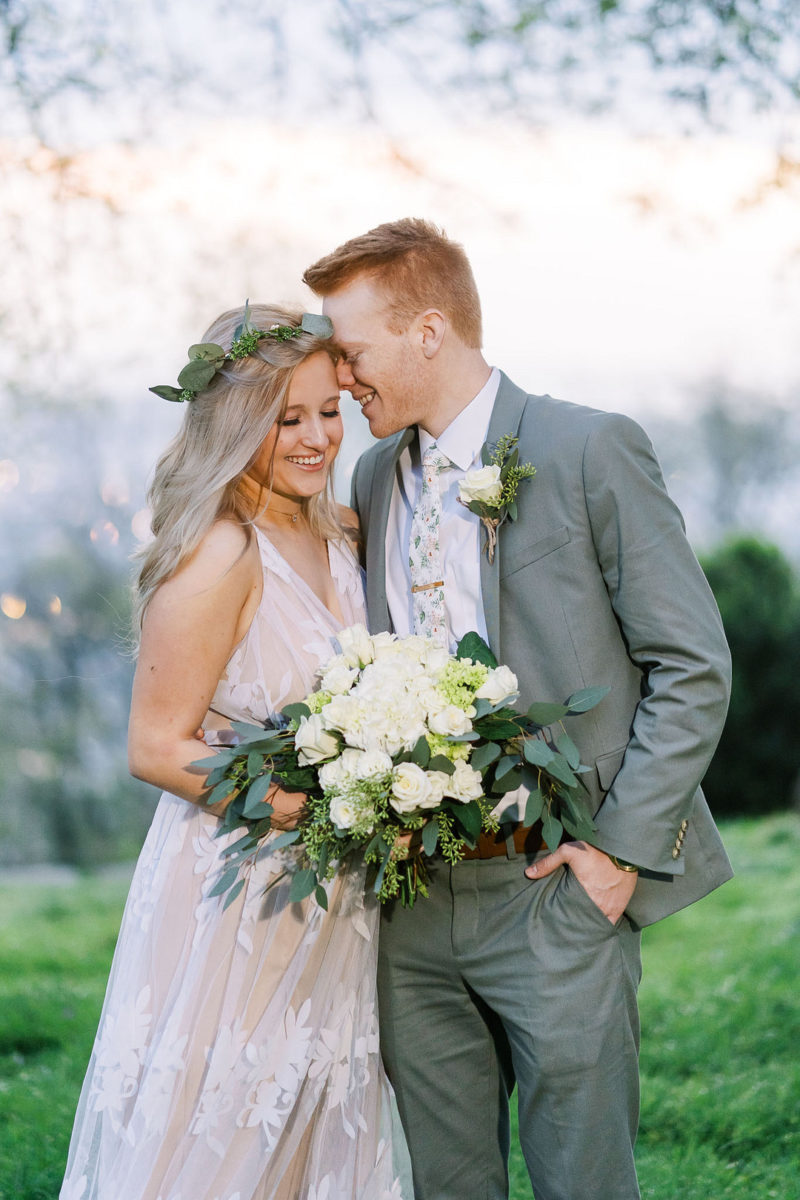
(237,1054)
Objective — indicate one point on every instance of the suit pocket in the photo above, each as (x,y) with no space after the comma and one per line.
(523,556)
(607,767)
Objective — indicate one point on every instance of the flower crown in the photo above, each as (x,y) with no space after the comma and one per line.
(206,358)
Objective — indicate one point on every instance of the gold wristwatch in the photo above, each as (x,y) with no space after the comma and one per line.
(621,865)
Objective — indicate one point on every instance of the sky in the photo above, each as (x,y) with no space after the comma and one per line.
(626,270)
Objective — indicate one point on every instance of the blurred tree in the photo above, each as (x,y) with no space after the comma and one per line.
(756,766)
(711,56)
(64,690)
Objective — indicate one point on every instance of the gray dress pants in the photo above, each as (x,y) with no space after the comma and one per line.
(493,979)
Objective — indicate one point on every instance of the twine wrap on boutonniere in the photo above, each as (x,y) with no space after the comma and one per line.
(490,491)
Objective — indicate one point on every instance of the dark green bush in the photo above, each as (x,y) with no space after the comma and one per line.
(755,769)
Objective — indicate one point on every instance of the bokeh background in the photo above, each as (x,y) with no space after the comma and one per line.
(625,176)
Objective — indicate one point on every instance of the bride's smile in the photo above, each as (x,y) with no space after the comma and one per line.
(295,458)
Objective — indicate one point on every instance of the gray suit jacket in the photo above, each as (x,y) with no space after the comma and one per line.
(595,583)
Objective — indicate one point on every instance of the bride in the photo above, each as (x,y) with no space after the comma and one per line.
(237,1054)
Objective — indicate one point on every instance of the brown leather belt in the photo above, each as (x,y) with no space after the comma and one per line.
(527,840)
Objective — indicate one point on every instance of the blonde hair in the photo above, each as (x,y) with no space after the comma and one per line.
(196,480)
(416,266)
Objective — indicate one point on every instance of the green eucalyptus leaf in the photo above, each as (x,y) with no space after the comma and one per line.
(303,884)
(560,769)
(512,510)
(586,698)
(220,792)
(238,847)
(487,457)
(440,763)
(552,830)
(166,392)
(233,893)
(247,731)
(284,839)
(421,753)
(294,712)
(534,806)
(317,324)
(245,326)
(508,782)
(197,375)
(482,756)
(567,747)
(321,896)
(255,761)
(256,796)
(506,764)
(217,775)
(208,352)
(473,646)
(430,836)
(382,870)
(226,880)
(495,728)
(537,752)
(470,818)
(546,714)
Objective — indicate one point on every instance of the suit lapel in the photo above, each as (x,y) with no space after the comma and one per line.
(380,503)
(506,417)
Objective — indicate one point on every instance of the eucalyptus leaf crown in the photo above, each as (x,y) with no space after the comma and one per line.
(207,358)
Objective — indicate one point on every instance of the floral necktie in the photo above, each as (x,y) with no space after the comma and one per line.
(424,555)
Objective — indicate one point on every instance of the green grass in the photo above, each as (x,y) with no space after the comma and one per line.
(720,1029)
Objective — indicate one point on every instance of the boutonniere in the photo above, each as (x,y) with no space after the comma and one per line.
(490,491)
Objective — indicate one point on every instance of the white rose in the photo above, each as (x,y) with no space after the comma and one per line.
(435,658)
(313,741)
(437,783)
(410,788)
(383,644)
(340,772)
(343,812)
(499,686)
(372,764)
(356,645)
(428,695)
(338,679)
(482,483)
(451,721)
(344,713)
(464,784)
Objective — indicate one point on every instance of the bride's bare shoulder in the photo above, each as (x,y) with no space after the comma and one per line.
(227,553)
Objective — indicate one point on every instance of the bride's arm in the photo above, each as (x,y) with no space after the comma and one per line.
(191,627)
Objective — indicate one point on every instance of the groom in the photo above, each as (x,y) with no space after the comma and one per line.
(523,964)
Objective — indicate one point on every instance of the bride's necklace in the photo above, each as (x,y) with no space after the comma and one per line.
(273,513)
(291,516)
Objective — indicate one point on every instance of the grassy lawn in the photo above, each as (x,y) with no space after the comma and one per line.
(720,1021)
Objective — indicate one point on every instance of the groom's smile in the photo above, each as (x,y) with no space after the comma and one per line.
(378,366)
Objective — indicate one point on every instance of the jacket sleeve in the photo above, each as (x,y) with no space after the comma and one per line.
(673,633)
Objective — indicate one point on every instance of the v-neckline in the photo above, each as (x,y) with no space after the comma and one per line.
(337,617)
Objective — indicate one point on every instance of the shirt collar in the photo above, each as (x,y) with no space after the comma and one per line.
(461,441)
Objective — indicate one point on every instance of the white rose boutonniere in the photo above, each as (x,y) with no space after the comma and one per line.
(490,491)
(483,484)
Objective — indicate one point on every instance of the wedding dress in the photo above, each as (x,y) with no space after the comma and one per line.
(237,1053)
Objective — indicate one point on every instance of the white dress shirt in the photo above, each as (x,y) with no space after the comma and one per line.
(460,531)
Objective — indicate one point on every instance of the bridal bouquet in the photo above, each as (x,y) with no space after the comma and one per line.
(403,751)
